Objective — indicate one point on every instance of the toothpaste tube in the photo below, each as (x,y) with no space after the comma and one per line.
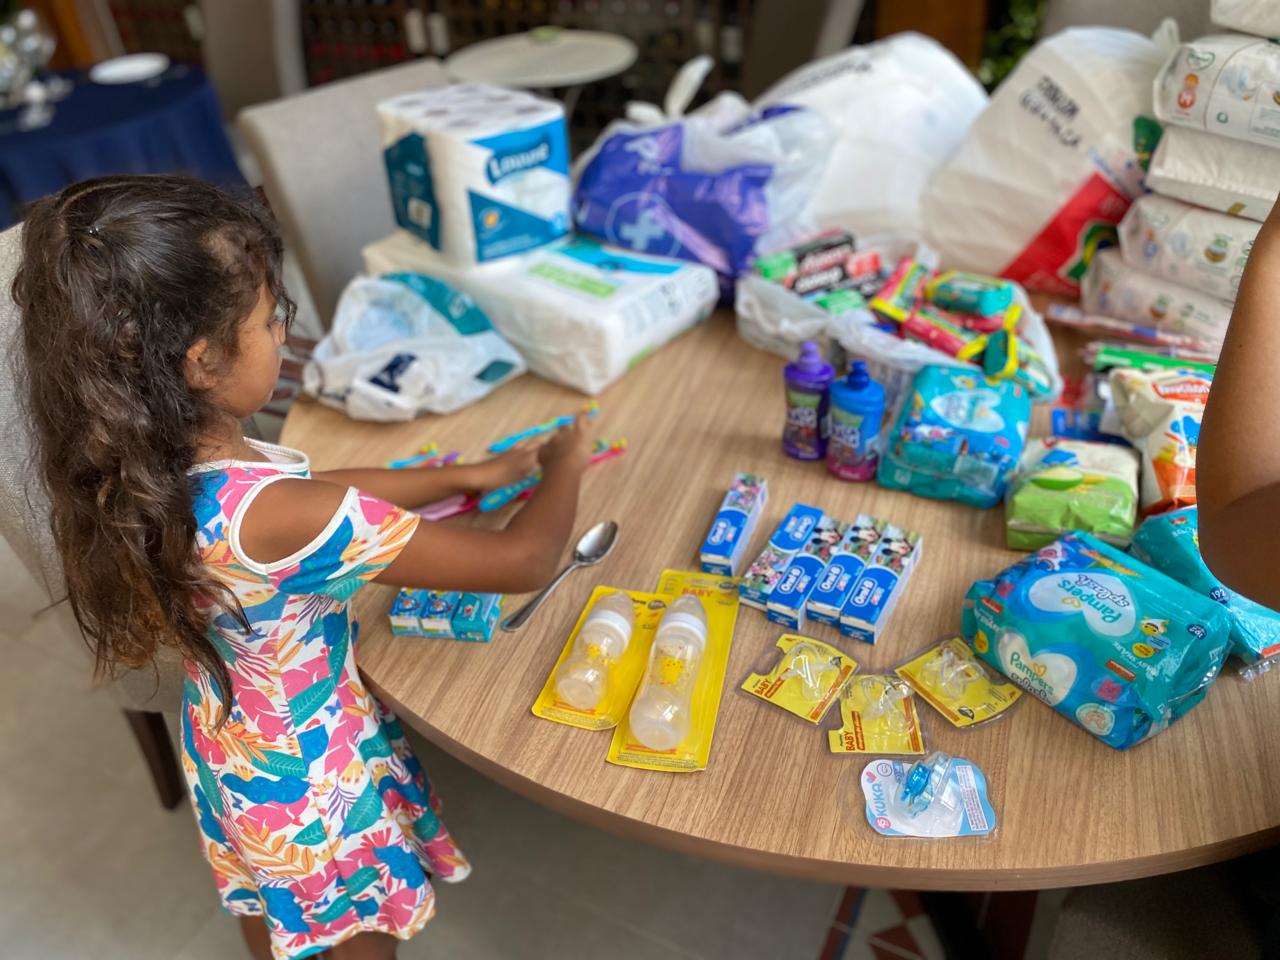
(897,298)
(970,293)
(730,533)
(788,598)
(940,330)
(869,606)
(763,574)
(850,558)
(475,616)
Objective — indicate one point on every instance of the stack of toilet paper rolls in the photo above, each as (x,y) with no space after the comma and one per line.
(479,172)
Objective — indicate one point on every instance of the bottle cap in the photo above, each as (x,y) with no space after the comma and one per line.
(810,359)
(858,375)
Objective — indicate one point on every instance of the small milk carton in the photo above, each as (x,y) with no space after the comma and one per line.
(872,601)
(730,533)
(849,559)
(405,613)
(787,599)
(435,618)
(476,615)
(767,570)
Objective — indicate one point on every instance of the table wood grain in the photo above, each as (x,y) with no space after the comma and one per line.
(1070,810)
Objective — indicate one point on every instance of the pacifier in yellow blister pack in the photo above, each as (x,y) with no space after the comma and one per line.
(805,679)
(877,715)
(957,684)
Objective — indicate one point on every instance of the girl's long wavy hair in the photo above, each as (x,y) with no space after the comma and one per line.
(119,277)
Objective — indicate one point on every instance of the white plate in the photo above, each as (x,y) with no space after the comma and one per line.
(130,69)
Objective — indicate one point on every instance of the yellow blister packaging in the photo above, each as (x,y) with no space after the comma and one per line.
(877,715)
(593,682)
(806,678)
(673,714)
(956,684)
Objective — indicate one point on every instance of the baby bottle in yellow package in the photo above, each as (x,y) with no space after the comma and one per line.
(660,713)
(877,715)
(806,678)
(956,684)
(582,681)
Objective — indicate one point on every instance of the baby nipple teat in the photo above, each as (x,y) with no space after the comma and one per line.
(814,670)
(951,673)
(882,699)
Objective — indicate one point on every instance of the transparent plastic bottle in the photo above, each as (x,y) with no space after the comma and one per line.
(583,680)
(660,713)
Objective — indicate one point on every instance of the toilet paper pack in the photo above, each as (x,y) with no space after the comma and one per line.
(580,313)
(1198,248)
(478,172)
(1227,84)
(1230,176)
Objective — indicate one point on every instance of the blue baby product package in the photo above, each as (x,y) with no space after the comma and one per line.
(435,618)
(787,600)
(406,611)
(1112,644)
(735,522)
(848,560)
(1170,542)
(475,616)
(958,436)
(767,569)
(876,592)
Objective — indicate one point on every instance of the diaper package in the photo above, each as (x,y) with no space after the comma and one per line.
(1225,84)
(478,172)
(1171,544)
(1230,176)
(1110,643)
(1160,412)
(1259,17)
(580,314)
(1198,248)
(1112,288)
(1066,485)
(958,437)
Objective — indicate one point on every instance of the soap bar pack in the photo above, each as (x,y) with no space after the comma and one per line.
(767,569)
(876,594)
(730,534)
(849,559)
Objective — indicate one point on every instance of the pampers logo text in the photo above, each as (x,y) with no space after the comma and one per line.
(1110,604)
(1031,677)
(502,165)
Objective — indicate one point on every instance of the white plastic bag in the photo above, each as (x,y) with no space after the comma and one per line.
(899,108)
(1049,167)
(400,347)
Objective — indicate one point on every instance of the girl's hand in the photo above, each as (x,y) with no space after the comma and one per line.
(569,448)
(503,470)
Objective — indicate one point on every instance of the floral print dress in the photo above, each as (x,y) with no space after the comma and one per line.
(313,811)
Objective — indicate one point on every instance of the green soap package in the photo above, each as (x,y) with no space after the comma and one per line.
(1064,485)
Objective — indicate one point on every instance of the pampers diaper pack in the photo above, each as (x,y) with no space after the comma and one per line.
(958,437)
(1109,642)
(1171,544)
(479,172)
(1231,176)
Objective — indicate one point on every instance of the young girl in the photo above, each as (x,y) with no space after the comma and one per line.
(152,317)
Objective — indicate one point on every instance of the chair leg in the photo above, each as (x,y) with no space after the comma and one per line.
(157,749)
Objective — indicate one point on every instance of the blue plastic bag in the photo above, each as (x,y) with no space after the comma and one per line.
(1112,644)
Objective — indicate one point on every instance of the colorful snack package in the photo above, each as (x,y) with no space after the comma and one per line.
(812,266)
(938,329)
(475,616)
(730,532)
(1066,485)
(1112,644)
(788,598)
(897,298)
(970,293)
(767,569)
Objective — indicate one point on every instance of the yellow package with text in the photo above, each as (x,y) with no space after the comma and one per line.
(877,715)
(692,674)
(806,679)
(956,684)
(622,673)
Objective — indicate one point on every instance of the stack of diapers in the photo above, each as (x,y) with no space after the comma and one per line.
(1230,176)
(1112,644)
(1191,246)
(1259,17)
(478,172)
(1171,544)
(1226,84)
(580,313)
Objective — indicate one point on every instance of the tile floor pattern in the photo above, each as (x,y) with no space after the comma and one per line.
(881,925)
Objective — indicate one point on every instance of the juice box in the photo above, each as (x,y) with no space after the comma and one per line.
(406,611)
(435,617)
(848,560)
(872,601)
(475,616)
(730,533)
(788,598)
(767,569)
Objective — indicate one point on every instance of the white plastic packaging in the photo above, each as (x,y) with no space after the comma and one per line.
(661,712)
(583,680)
(899,108)
(1225,84)
(1050,162)
(1230,176)
(1189,245)
(1259,17)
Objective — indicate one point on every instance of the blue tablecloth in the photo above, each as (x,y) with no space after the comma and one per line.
(171,124)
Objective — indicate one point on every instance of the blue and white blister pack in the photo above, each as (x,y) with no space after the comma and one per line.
(789,596)
(478,172)
(1112,644)
(1170,542)
(958,436)
(962,809)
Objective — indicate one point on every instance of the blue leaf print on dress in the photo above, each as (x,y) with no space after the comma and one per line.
(320,566)
(208,822)
(403,865)
(408,789)
(284,909)
(312,743)
(266,790)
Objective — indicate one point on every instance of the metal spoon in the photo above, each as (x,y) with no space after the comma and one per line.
(592,548)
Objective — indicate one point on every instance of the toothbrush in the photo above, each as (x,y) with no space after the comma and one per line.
(506,443)
(499,498)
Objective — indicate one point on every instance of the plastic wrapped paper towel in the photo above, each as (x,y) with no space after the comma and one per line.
(899,107)
(1227,84)
(1259,17)
(1115,289)
(479,172)
(1049,167)
(1189,245)
(580,313)
(1230,176)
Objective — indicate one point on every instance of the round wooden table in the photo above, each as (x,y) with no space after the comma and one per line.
(1071,810)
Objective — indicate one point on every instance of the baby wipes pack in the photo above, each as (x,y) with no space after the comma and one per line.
(1171,544)
(1198,248)
(1230,176)
(958,437)
(1112,644)
(579,313)
(1227,84)
(767,569)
